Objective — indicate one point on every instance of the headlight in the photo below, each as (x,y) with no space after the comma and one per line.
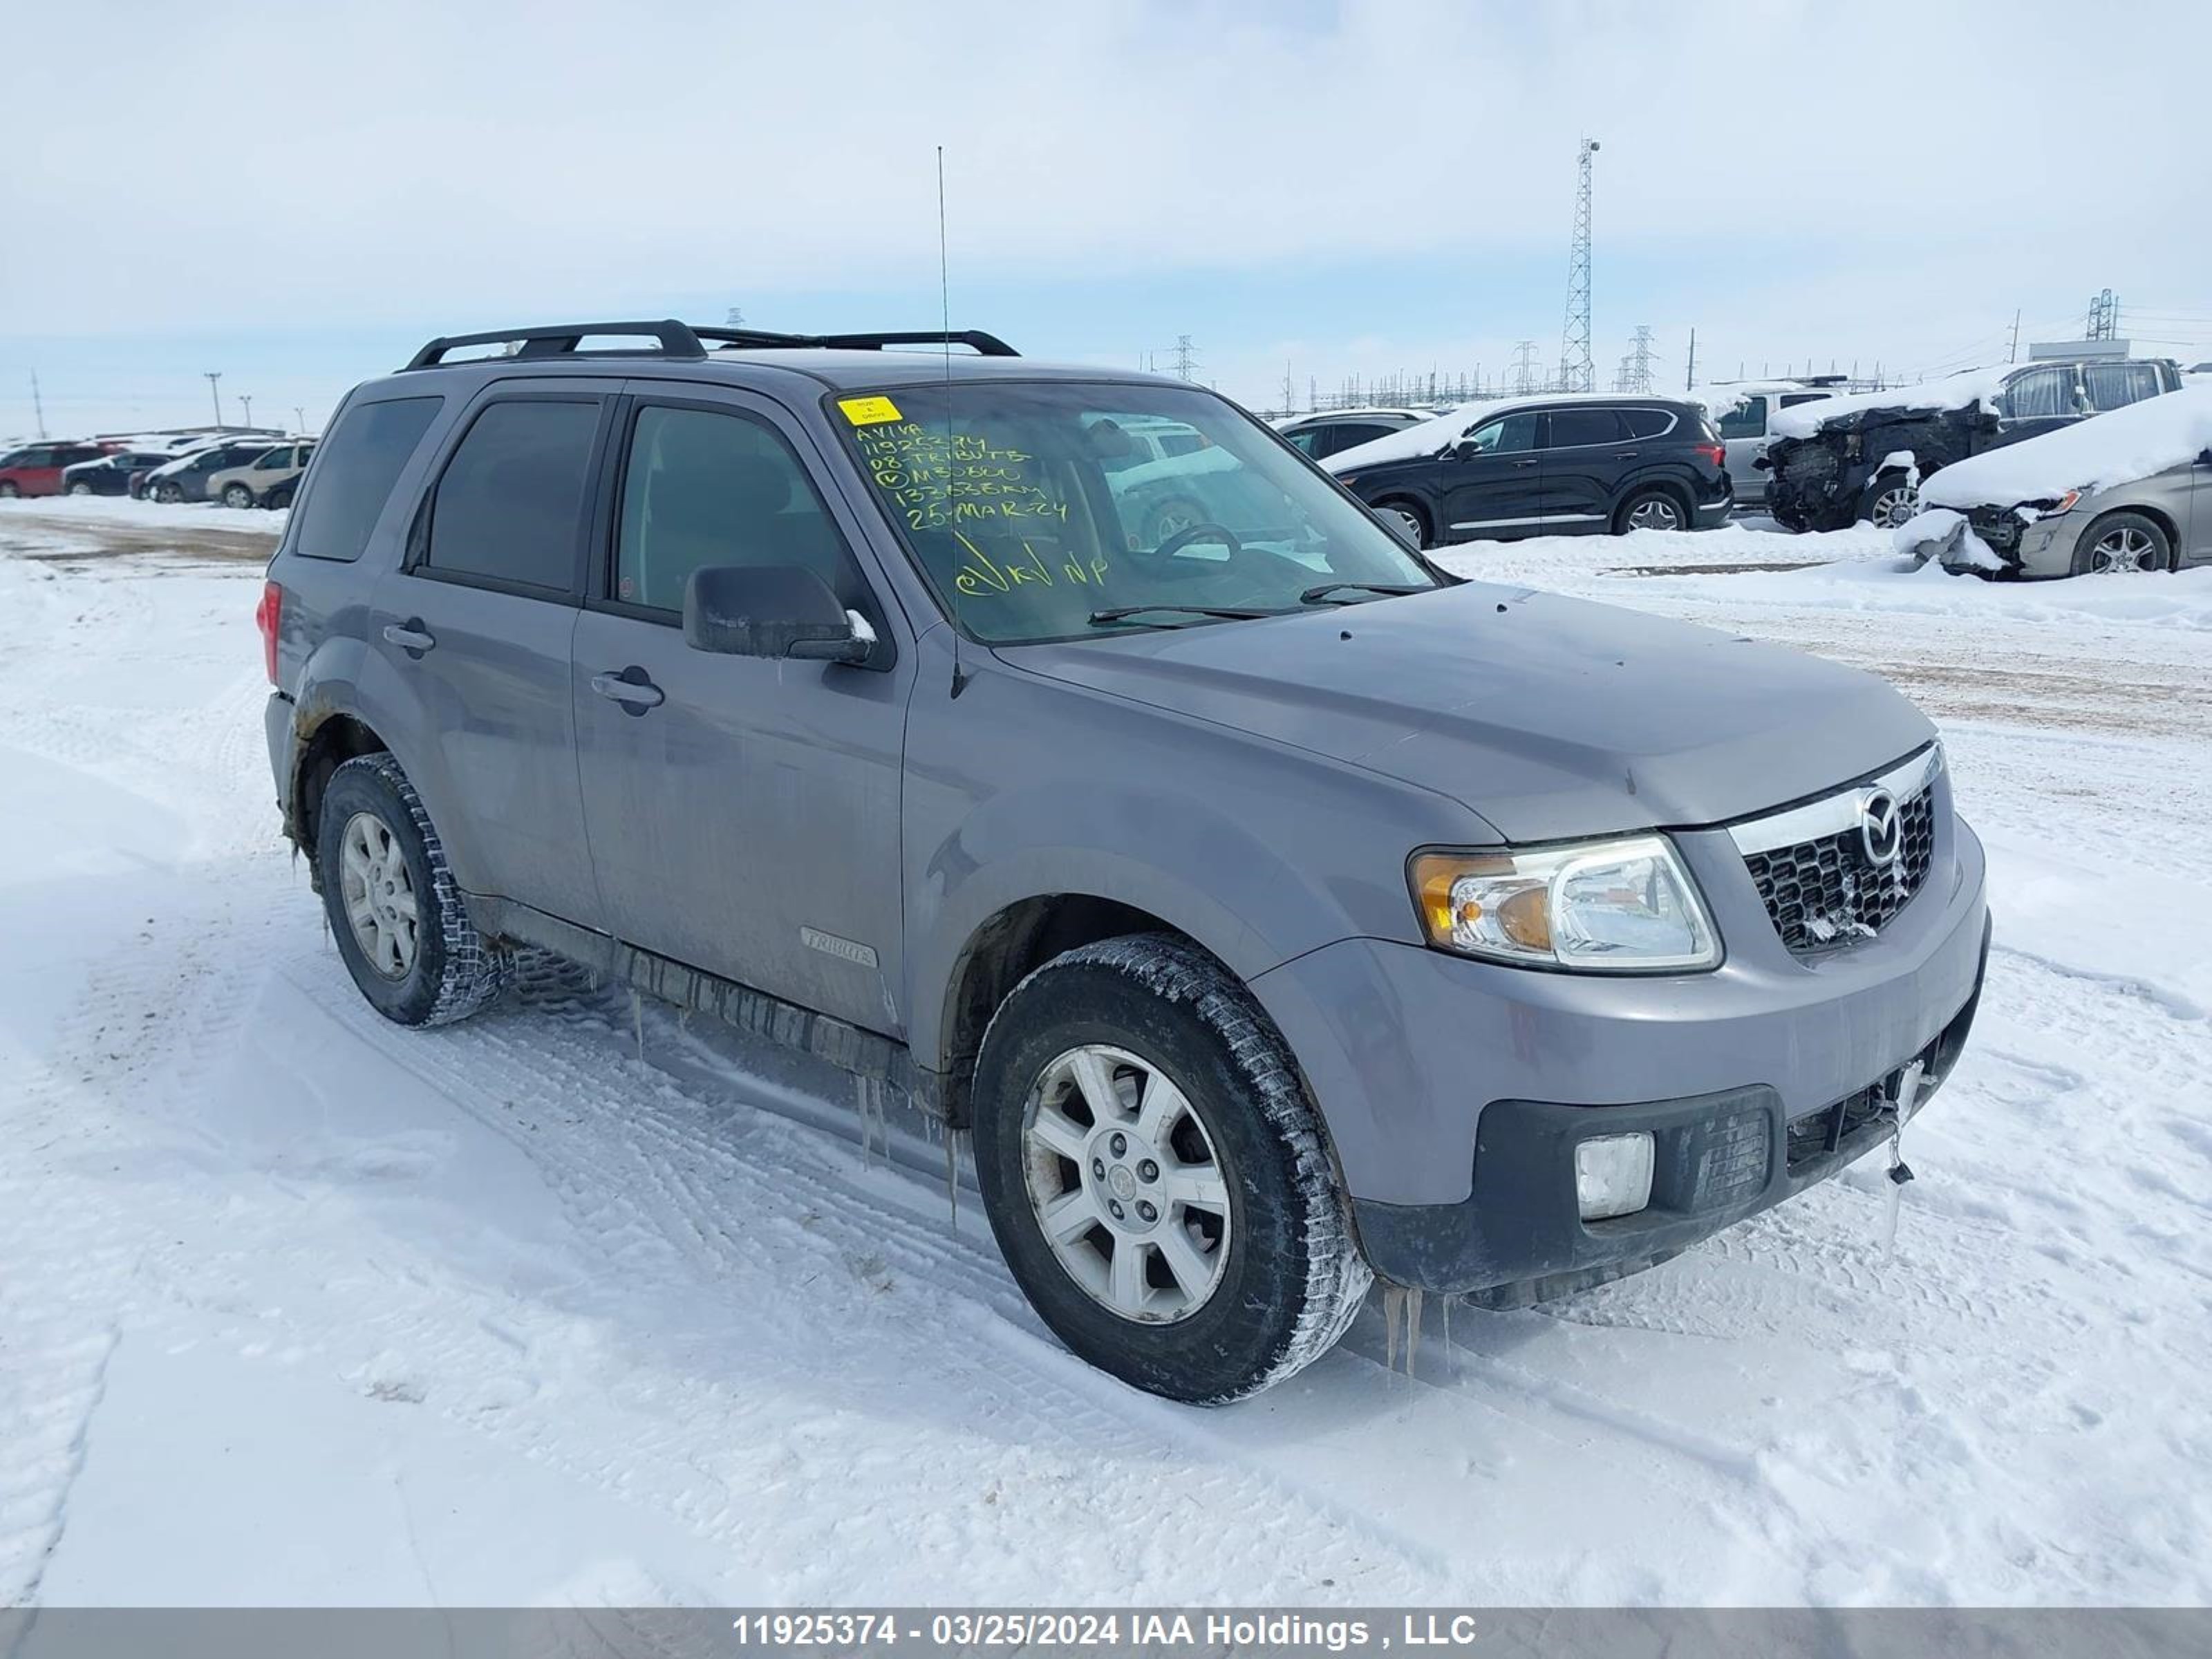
(1623,906)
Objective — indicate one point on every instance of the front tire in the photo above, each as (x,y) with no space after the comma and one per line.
(1157,1176)
(2120,543)
(1411,515)
(167,495)
(1891,500)
(393,905)
(80,487)
(8,491)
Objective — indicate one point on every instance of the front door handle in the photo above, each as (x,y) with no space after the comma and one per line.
(410,635)
(1626,454)
(1529,462)
(636,696)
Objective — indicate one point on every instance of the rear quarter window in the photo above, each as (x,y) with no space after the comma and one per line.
(510,507)
(1651,422)
(363,457)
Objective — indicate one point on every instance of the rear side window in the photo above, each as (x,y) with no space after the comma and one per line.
(2037,394)
(2115,385)
(704,488)
(1652,422)
(368,448)
(1571,428)
(510,505)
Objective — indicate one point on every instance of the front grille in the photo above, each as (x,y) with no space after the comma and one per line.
(1825,894)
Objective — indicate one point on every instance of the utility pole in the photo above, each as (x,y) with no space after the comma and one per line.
(1690,375)
(215,392)
(2013,355)
(38,407)
(1577,372)
(1290,391)
(300,418)
(248,402)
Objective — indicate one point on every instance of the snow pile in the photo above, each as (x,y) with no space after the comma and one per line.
(122,510)
(1965,390)
(2088,455)
(1939,534)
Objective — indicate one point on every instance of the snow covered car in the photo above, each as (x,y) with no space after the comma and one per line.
(249,485)
(1270,907)
(2128,491)
(1862,457)
(119,474)
(1323,433)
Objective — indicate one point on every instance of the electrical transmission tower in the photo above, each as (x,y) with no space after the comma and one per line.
(1524,368)
(2105,317)
(1635,367)
(1186,358)
(1577,372)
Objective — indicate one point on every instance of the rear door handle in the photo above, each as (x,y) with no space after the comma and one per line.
(1626,454)
(636,696)
(409,635)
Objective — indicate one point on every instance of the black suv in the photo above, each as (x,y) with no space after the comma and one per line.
(1558,466)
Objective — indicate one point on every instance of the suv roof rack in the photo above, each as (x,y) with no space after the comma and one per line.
(680,340)
(983,344)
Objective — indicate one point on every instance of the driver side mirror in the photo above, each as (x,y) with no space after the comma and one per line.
(1465,450)
(768,611)
(2205,459)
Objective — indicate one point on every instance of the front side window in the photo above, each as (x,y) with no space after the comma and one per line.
(2039,393)
(510,505)
(1022,505)
(369,446)
(273,460)
(1746,420)
(705,487)
(2115,385)
(1575,428)
(1509,435)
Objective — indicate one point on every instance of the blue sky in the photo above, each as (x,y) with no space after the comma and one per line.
(1355,188)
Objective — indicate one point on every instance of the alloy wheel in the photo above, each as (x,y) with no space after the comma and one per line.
(1894,505)
(2121,548)
(379,891)
(1125,1186)
(1655,513)
(1411,522)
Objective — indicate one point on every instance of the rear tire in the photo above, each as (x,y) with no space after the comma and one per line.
(237,495)
(1651,508)
(80,487)
(393,905)
(2122,543)
(8,491)
(1246,1271)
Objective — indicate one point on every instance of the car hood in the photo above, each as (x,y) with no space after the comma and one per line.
(1549,717)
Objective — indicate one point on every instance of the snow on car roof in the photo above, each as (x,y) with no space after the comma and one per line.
(1961,391)
(1432,437)
(2114,448)
(1286,422)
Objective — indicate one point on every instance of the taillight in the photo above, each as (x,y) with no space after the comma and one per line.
(1717,453)
(268,616)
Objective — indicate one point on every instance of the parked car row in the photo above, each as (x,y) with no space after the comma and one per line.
(1863,458)
(253,470)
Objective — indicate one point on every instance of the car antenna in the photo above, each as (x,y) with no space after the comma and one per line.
(945,320)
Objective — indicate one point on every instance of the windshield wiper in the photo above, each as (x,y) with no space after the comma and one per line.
(1123,612)
(1323,594)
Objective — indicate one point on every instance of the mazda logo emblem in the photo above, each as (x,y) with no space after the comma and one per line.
(1881,827)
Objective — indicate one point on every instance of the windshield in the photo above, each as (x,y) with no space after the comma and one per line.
(1035,509)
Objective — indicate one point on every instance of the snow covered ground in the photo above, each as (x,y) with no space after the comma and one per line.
(297,1307)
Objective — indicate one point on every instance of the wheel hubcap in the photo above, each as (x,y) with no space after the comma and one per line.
(1653,515)
(1894,507)
(2121,550)
(379,894)
(1410,522)
(1125,1184)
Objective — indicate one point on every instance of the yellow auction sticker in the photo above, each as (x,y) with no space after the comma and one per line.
(869,412)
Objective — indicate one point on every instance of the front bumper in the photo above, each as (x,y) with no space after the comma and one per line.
(1453,1090)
